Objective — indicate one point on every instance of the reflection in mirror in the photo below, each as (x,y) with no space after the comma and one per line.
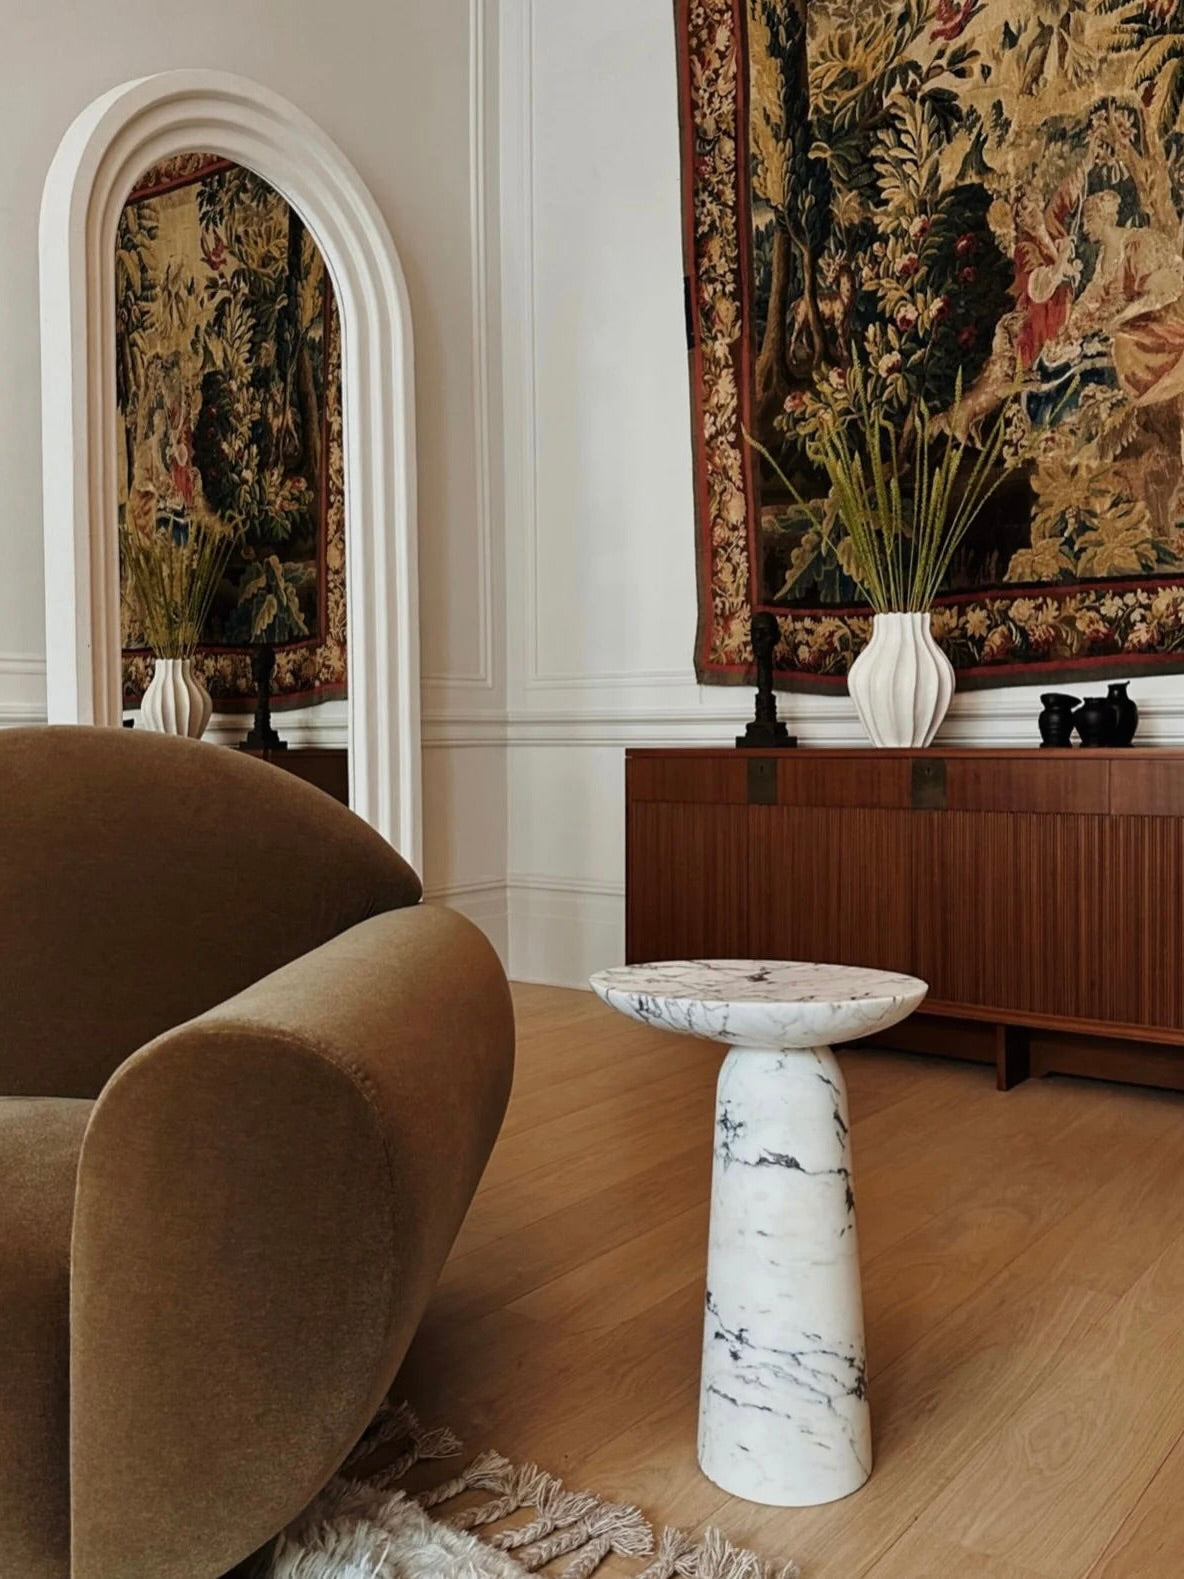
(230,472)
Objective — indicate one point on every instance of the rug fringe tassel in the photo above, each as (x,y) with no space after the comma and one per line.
(399,1423)
(556,1508)
(393,1422)
(524,1490)
(424,1445)
(676,1550)
(487,1472)
(681,1556)
(609,1528)
(566,1524)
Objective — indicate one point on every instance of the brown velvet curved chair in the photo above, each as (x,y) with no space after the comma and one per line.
(250,1086)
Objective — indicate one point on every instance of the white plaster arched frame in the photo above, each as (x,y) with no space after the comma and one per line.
(110,144)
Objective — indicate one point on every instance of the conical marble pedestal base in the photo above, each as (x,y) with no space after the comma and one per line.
(783,1413)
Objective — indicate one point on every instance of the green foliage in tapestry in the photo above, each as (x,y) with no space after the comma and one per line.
(982,201)
(221,299)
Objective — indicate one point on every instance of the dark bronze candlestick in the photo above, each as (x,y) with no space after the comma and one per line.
(766,728)
(262,736)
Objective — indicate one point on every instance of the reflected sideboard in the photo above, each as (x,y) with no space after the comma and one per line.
(1040,893)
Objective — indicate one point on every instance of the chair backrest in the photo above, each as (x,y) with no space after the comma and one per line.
(144,879)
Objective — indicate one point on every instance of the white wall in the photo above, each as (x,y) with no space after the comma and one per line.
(408,90)
(600,555)
(601,607)
(525,154)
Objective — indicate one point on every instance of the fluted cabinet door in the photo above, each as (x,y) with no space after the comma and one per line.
(832,884)
(1134,950)
(687,888)
(1001,906)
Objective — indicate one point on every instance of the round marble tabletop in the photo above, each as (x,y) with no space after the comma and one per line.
(761,1003)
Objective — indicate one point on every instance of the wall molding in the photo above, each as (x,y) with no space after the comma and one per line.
(518,343)
(518,78)
(22,663)
(479,111)
(108,146)
(578,887)
(976,719)
(21,715)
(441,893)
(818,722)
(22,689)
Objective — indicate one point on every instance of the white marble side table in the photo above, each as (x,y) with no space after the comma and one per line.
(783,1413)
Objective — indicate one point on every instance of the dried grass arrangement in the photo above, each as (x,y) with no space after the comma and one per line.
(173,575)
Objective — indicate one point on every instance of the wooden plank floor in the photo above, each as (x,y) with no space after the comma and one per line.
(1023,1263)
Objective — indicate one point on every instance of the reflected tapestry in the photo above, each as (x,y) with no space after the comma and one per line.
(979,202)
(228,372)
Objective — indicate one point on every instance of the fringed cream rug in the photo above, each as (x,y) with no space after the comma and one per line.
(529,1523)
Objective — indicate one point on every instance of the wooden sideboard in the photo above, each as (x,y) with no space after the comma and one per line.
(1040,893)
(325,766)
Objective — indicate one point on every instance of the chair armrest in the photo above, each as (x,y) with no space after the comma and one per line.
(266,1196)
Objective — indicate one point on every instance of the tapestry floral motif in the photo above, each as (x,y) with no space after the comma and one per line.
(983,203)
(229,393)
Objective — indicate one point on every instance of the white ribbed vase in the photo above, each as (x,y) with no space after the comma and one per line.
(902,682)
(176,702)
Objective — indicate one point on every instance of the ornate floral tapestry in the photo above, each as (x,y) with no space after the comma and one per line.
(228,367)
(981,202)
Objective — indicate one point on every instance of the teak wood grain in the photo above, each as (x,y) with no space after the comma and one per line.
(1034,890)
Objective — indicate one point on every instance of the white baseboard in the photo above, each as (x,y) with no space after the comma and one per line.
(563,929)
(554,931)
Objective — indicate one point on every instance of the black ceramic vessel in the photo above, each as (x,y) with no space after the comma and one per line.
(1126,713)
(1056,720)
(1096,720)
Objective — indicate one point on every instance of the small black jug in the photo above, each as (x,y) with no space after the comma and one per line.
(1096,720)
(1056,720)
(1127,713)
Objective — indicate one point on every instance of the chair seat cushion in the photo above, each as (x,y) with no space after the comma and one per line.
(40,1139)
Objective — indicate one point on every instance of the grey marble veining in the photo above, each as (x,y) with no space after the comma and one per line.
(761,1003)
(783,1415)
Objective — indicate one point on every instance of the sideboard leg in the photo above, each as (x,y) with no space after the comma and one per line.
(1013,1063)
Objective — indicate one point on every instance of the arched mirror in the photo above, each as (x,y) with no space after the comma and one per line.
(229,469)
(192,319)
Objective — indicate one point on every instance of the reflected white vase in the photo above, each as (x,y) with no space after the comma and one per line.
(175,702)
(902,682)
